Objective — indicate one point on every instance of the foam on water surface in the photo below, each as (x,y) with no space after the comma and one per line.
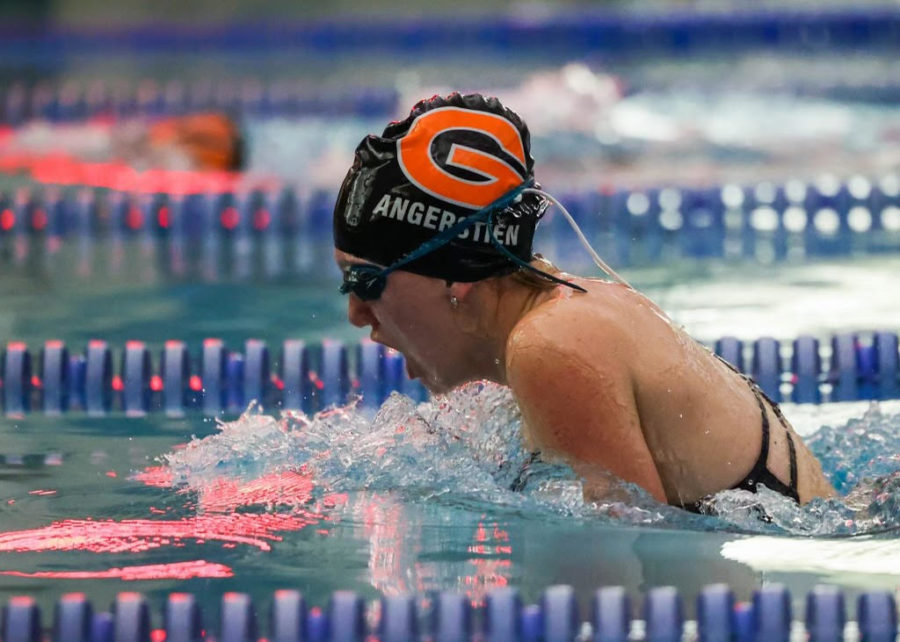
(465,449)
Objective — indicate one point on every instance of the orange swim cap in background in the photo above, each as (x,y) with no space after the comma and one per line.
(212,141)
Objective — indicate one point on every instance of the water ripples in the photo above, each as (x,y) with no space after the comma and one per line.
(465,449)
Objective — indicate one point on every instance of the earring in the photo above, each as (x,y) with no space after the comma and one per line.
(454,302)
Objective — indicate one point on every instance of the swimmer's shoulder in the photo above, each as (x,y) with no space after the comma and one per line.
(580,324)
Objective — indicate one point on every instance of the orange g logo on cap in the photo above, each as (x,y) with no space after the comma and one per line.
(420,167)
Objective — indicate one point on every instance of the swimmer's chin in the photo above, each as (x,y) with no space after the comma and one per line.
(432,383)
(433,386)
(436,388)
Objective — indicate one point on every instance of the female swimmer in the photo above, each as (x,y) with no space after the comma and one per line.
(433,231)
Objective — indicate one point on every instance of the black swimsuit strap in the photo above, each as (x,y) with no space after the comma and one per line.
(763,459)
(760,474)
(793,453)
(780,415)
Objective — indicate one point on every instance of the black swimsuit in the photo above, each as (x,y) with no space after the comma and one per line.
(760,473)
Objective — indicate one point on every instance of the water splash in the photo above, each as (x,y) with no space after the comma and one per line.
(861,458)
(465,449)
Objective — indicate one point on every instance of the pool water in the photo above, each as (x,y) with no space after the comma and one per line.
(415,498)
(709,299)
(122,506)
(419,498)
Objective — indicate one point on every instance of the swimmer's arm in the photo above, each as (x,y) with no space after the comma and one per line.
(583,411)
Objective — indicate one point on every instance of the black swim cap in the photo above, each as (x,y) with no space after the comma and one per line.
(451,157)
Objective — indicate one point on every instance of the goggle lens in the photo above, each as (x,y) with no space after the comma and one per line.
(364,280)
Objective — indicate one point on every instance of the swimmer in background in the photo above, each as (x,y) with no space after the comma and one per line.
(433,231)
(205,141)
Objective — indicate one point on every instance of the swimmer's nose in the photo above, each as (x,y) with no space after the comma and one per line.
(359,312)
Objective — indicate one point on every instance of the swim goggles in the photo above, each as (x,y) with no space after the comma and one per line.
(367,281)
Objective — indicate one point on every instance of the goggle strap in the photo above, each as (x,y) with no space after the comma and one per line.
(486,215)
(515,259)
(596,257)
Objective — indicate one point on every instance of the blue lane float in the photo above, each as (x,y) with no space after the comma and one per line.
(346,617)
(772,613)
(767,366)
(334,373)
(73,618)
(744,623)
(877,617)
(451,618)
(373,381)
(136,379)
(825,614)
(98,388)
(503,615)
(217,380)
(182,619)
(885,352)
(611,614)
(296,384)
(287,616)
(673,31)
(715,613)
(212,369)
(22,620)
(234,377)
(447,618)
(238,618)
(73,102)
(16,370)
(559,615)
(257,382)
(398,621)
(664,615)
(131,618)
(103,627)
(532,623)
(175,369)
(282,232)
(806,364)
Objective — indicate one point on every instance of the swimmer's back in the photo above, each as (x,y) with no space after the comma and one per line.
(699,419)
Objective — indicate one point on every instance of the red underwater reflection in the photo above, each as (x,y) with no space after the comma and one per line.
(156,476)
(217,502)
(174,571)
(490,557)
(140,535)
(286,488)
(219,524)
